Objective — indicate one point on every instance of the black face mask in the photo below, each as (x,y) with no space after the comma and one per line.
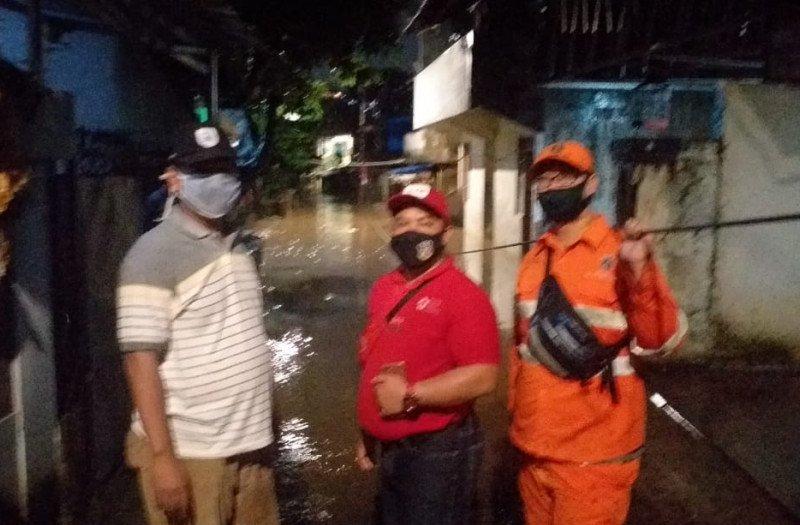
(417,251)
(564,205)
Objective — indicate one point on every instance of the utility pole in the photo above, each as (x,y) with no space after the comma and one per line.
(214,84)
(363,170)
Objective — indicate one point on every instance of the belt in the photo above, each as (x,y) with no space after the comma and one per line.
(420,439)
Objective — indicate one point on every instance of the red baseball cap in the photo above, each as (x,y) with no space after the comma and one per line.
(423,196)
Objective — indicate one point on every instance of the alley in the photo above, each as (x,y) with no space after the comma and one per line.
(300,120)
(318,266)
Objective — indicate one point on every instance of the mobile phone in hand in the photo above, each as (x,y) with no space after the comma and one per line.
(398,368)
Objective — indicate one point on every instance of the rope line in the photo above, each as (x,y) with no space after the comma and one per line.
(662,231)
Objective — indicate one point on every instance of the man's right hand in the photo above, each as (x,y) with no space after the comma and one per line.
(172,488)
(362,457)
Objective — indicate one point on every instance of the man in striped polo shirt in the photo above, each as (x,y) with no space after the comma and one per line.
(196,355)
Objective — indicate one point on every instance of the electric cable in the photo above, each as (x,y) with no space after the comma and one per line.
(674,229)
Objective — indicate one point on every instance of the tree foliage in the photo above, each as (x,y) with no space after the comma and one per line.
(311,50)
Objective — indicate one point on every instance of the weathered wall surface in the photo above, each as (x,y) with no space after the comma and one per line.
(758,270)
(684,193)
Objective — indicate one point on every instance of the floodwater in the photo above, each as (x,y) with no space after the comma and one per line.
(318,266)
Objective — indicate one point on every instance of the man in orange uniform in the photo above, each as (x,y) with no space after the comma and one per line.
(582,439)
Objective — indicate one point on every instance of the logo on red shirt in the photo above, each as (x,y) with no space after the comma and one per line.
(430,306)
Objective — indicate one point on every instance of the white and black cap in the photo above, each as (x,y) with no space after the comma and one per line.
(203,148)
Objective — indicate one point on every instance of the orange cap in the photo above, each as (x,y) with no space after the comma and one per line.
(569,152)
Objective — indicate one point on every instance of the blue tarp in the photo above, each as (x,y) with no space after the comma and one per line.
(413,168)
(250,144)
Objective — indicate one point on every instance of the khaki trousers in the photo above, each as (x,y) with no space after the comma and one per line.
(239,490)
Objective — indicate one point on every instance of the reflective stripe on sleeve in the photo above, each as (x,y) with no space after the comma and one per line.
(527,308)
(606,318)
(671,344)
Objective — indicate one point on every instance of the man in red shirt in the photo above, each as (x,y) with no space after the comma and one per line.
(430,348)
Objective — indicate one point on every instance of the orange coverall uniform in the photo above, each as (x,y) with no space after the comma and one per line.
(581,449)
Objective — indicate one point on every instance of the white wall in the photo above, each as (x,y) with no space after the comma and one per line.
(474,210)
(758,270)
(506,224)
(443,89)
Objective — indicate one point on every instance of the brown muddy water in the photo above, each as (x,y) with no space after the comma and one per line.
(318,266)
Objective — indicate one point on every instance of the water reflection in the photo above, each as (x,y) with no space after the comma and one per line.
(318,267)
(290,354)
(295,443)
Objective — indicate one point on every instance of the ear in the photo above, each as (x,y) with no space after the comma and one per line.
(592,185)
(171,180)
(448,232)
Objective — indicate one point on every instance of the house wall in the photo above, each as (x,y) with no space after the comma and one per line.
(35,435)
(682,191)
(598,115)
(443,89)
(110,87)
(506,223)
(758,269)
(740,159)
(680,194)
(114,87)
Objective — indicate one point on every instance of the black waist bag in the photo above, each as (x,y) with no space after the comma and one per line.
(564,343)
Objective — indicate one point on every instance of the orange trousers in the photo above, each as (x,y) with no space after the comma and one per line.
(571,494)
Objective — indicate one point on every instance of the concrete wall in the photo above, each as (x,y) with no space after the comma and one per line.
(443,89)
(474,209)
(681,194)
(599,114)
(742,293)
(506,223)
(758,271)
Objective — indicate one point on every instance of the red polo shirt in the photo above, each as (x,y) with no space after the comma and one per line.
(448,324)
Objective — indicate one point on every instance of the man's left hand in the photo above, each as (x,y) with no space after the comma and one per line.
(636,247)
(390,391)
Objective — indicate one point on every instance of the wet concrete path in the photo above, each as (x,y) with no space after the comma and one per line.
(318,266)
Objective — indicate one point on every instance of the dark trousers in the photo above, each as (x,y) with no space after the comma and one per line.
(431,479)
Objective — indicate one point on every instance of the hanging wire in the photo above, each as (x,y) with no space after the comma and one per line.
(663,231)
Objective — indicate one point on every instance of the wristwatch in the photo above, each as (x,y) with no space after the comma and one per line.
(410,401)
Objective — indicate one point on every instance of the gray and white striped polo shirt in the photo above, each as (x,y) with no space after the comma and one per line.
(195,296)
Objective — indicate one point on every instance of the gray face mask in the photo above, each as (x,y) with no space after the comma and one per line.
(212,196)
